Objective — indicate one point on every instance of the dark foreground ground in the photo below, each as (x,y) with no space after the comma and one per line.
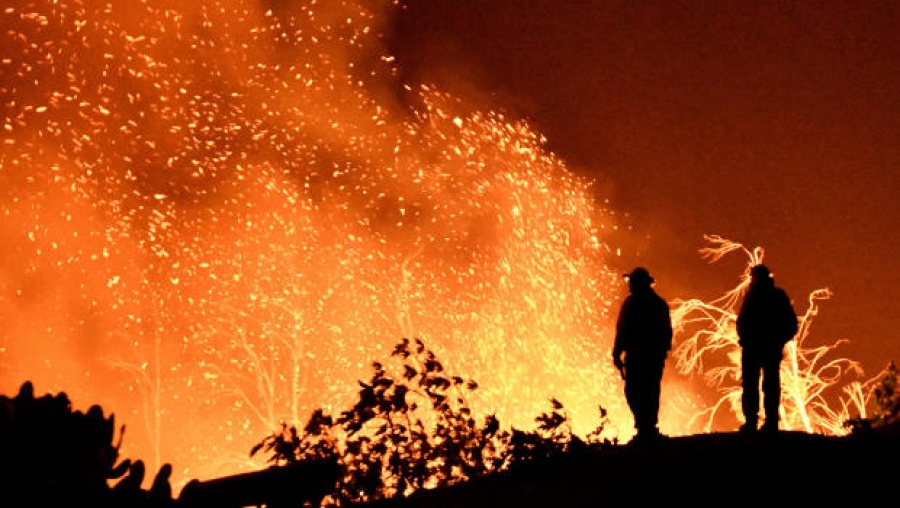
(722,469)
(52,455)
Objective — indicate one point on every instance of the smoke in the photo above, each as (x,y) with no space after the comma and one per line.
(217,214)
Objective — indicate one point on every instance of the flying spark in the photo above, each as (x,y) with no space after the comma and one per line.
(213,226)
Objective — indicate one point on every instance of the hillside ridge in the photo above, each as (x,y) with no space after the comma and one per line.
(698,470)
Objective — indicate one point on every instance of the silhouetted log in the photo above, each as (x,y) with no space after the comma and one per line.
(278,486)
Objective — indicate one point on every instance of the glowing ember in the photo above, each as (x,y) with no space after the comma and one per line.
(211,226)
(808,375)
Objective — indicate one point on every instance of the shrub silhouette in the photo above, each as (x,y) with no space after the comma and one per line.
(886,395)
(416,431)
(50,453)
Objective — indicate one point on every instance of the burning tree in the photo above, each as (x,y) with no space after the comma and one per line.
(809,374)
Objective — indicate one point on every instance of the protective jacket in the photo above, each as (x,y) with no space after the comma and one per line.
(644,328)
(767,318)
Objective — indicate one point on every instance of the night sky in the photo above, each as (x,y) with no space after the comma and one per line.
(772,124)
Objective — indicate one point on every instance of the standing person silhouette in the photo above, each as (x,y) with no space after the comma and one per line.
(765,323)
(644,337)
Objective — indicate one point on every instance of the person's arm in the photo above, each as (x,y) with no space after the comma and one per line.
(791,325)
(621,338)
(667,327)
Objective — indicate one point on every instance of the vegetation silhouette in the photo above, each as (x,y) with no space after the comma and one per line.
(411,440)
(408,438)
(51,454)
(415,430)
(886,417)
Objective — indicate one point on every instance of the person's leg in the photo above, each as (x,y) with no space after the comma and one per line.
(647,400)
(640,397)
(632,397)
(750,388)
(771,385)
(654,381)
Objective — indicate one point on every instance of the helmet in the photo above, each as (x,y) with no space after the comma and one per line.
(639,276)
(760,272)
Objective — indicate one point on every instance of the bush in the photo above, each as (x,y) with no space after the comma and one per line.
(52,453)
(886,395)
(416,431)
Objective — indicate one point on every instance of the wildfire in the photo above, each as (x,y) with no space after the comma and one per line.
(808,374)
(213,226)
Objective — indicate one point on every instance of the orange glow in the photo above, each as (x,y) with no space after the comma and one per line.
(211,226)
(709,345)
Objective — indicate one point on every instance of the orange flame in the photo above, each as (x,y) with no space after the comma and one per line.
(212,225)
(808,375)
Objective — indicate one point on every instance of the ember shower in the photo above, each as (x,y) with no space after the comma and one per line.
(212,224)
